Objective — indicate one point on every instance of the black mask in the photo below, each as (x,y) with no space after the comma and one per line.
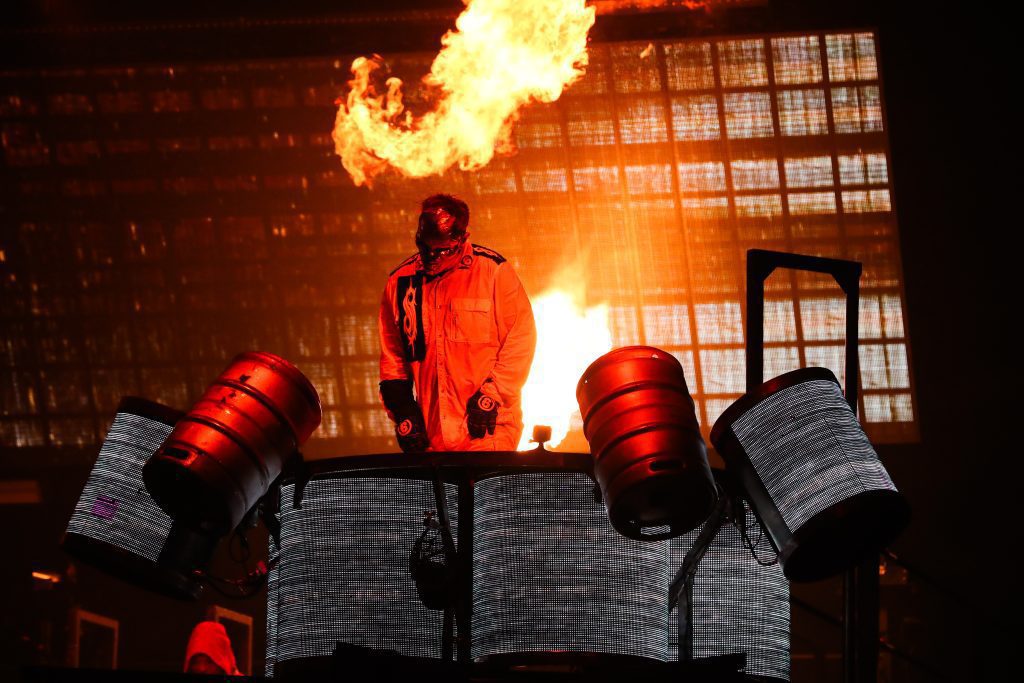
(438,240)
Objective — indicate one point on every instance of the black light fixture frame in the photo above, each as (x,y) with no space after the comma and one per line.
(860,584)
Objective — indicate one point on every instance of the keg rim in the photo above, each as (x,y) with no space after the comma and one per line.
(638,351)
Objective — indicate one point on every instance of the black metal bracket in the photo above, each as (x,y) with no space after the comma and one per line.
(297,469)
(860,584)
(760,264)
(451,559)
(680,591)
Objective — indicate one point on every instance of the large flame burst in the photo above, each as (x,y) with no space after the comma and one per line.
(570,336)
(502,55)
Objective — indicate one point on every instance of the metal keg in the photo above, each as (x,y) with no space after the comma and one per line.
(223,455)
(649,458)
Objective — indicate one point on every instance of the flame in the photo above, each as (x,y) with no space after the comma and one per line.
(569,338)
(503,55)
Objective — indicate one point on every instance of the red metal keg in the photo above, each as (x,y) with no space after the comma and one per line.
(649,458)
(221,458)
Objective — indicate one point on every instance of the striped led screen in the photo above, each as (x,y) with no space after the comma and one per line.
(739,606)
(115,507)
(343,575)
(550,573)
(813,461)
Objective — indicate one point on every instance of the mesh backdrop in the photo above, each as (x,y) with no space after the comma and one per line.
(163,217)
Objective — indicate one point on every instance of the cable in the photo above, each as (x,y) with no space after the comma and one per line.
(243,542)
(741,524)
(246,587)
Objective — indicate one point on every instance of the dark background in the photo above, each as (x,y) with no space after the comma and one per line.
(953,150)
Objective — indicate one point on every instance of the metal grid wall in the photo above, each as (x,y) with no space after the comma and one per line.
(157,220)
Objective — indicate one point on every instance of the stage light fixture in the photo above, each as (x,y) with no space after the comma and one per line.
(649,458)
(224,454)
(811,474)
(117,526)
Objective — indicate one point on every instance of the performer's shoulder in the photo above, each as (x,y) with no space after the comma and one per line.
(488,253)
(411,261)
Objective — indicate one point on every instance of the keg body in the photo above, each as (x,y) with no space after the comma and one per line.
(226,451)
(649,457)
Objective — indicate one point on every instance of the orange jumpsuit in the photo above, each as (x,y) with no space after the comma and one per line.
(468,328)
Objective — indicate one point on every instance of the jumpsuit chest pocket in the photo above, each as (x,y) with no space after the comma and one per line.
(470,320)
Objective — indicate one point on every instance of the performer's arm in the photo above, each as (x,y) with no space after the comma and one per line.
(396,381)
(392,357)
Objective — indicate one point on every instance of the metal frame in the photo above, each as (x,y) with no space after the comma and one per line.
(220,614)
(80,616)
(860,584)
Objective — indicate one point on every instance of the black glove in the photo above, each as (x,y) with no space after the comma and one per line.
(411,432)
(410,428)
(481,415)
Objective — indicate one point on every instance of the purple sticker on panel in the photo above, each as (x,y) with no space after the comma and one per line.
(104,507)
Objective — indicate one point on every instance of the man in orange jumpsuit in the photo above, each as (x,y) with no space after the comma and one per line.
(456,324)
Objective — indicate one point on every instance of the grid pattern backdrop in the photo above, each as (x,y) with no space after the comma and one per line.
(156,220)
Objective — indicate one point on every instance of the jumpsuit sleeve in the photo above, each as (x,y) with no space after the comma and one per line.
(517,336)
(392,358)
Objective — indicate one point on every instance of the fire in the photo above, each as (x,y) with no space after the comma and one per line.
(569,338)
(503,55)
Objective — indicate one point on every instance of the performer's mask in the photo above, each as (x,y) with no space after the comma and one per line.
(439,240)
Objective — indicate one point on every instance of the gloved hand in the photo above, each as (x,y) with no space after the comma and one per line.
(481,415)
(411,432)
(410,428)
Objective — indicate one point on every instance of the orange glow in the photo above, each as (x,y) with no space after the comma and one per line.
(570,337)
(613,6)
(503,55)
(43,576)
